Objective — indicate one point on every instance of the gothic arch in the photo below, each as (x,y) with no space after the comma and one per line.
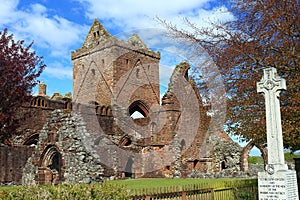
(50,166)
(31,140)
(32,102)
(68,105)
(129,168)
(140,107)
(245,155)
(98,109)
(125,141)
(108,111)
(103,110)
(38,102)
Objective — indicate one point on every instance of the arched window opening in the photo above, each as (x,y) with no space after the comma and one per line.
(93,71)
(103,110)
(138,110)
(68,105)
(128,168)
(108,111)
(223,165)
(32,103)
(196,164)
(32,140)
(182,144)
(98,109)
(137,115)
(125,141)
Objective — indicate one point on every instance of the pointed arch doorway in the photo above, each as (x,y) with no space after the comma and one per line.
(50,166)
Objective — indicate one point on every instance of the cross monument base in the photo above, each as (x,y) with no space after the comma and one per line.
(277,185)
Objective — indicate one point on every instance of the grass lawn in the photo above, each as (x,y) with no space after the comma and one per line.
(224,188)
(161,182)
(147,183)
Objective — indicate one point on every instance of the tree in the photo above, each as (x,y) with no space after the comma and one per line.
(19,68)
(263,33)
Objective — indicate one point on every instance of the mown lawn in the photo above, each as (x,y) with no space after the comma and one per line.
(161,182)
(157,182)
(222,187)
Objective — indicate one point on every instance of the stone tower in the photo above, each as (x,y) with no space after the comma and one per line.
(106,71)
(42,89)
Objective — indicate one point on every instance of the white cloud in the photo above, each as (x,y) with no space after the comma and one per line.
(53,33)
(58,71)
(7,10)
(165,73)
(58,35)
(131,14)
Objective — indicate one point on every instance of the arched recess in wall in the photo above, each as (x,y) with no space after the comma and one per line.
(31,140)
(33,102)
(138,69)
(125,141)
(68,105)
(93,106)
(128,168)
(138,108)
(38,102)
(50,166)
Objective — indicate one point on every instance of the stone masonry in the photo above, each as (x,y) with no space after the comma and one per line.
(91,136)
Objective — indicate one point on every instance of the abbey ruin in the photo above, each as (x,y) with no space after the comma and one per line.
(91,135)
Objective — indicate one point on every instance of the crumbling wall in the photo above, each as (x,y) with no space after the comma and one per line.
(61,154)
(12,161)
(227,156)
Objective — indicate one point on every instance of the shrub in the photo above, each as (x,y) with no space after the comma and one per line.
(104,191)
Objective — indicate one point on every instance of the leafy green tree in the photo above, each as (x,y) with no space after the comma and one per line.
(19,68)
(263,33)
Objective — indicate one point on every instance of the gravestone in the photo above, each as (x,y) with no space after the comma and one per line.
(277,182)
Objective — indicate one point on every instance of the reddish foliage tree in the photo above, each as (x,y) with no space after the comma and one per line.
(19,68)
(263,33)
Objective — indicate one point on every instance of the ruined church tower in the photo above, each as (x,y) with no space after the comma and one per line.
(107,70)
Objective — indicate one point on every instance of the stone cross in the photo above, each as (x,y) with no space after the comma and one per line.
(271,85)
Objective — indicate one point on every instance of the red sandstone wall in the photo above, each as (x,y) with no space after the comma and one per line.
(12,162)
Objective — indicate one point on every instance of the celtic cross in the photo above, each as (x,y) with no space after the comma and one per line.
(271,85)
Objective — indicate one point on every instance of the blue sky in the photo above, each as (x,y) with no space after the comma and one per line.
(58,27)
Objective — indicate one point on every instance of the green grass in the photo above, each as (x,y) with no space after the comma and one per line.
(222,187)
(147,183)
(161,182)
